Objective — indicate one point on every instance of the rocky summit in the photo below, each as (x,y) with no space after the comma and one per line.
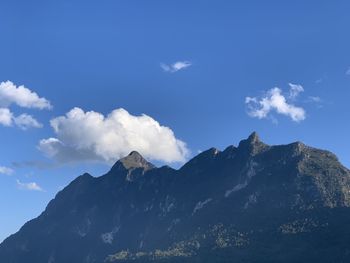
(250,203)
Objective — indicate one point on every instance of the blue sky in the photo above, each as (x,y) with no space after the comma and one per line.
(204,73)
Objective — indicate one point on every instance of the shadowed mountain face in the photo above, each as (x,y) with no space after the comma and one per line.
(251,203)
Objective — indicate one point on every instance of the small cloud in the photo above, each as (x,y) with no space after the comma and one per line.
(25,121)
(318,81)
(91,136)
(21,96)
(38,164)
(295,90)
(32,186)
(347,72)
(275,101)
(179,65)
(321,79)
(6,117)
(6,170)
(314,99)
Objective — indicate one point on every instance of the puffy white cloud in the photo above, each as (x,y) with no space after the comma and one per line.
(6,170)
(274,100)
(5,117)
(32,186)
(51,146)
(92,136)
(294,90)
(21,96)
(25,121)
(179,65)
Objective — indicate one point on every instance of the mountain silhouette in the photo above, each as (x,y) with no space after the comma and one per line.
(250,203)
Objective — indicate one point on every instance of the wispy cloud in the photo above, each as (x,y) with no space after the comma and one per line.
(179,65)
(25,121)
(23,97)
(318,81)
(315,99)
(91,136)
(38,164)
(347,72)
(32,186)
(6,170)
(275,101)
(295,90)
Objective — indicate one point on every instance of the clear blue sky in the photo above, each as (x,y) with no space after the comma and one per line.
(106,55)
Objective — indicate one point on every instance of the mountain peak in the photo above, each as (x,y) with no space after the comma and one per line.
(253,144)
(254,137)
(135,160)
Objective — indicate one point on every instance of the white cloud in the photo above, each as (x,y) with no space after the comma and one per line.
(92,136)
(21,96)
(179,65)
(6,170)
(295,90)
(5,117)
(25,121)
(274,100)
(314,99)
(32,186)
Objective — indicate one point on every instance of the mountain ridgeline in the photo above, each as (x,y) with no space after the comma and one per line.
(251,203)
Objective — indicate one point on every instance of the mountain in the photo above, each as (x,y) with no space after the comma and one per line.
(250,203)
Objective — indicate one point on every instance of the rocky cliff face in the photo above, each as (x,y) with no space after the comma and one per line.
(251,203)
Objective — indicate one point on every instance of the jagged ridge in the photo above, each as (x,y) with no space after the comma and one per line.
(244,202)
